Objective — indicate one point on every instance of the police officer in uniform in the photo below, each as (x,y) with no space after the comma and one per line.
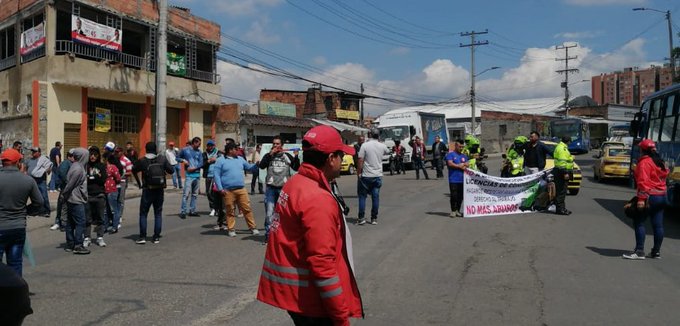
(563,172)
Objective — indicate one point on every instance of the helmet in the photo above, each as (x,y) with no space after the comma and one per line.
(471,140)
(647,144)
(521,140)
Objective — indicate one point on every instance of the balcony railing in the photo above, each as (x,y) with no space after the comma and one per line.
(35,54)
(8,62)
(202,75)
(89,51)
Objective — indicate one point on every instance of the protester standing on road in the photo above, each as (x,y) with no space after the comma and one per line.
(124,182)
(369,172)
(563,172)
(171,154)
(55,158)
(230,182)
(418,157)
(96,197)
(75,195)
(255,158)
(209,158)
(278,165)
(439,151)
(456,162)
(154,169)
(193,162)
(38,167)
(16,189)
(111,188)
(62,208)
(131,152)
(650,177)
(399,151)
(308,268)
(357,147)
(535,154)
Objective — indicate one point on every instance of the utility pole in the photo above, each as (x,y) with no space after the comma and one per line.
(670,44)
(161,73)
(566,71)
(472,45)
(361,108)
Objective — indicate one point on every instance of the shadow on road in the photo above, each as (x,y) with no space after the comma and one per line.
(443,214)
(608,252)
(671,224)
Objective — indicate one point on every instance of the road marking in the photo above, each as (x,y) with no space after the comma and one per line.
(229,310)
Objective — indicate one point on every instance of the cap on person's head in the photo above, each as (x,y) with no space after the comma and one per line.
(647,144)
(325,139)
(150,147)
(172,143)
(210,142)
(11,155)
(35,149)
(110,146)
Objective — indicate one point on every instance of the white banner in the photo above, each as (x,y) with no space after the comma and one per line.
(32,38)
(485,195)
(89,32)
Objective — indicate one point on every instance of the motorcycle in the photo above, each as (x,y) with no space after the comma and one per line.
(393,163)
(481,166)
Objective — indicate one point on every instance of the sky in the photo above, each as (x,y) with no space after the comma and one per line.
(409,52)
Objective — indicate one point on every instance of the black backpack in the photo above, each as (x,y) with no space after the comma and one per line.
(154,176)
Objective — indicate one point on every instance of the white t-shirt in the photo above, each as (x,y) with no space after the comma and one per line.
(372,152)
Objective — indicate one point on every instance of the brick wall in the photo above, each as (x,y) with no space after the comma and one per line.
(296,98)
(8,8)
(493,123)
(228,113)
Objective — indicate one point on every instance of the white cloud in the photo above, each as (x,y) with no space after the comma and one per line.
(242,7)
(579,35)
(319,61)
(260,33)
(587,3)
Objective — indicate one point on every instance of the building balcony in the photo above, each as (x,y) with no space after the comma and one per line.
(8,62)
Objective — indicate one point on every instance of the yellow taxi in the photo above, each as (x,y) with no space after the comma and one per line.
(348,165)
(574,185)
(614,162)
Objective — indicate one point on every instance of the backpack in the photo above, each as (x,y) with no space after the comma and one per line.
(154,176)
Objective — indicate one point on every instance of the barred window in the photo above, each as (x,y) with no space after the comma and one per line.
(124,115)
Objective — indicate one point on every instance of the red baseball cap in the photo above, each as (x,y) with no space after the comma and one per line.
(647,144)
(325,139)
(11,155)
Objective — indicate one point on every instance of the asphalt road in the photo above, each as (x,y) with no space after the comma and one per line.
(416,267)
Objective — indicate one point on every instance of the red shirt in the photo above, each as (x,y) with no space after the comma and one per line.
(127,164)
(650,179)
(112,179)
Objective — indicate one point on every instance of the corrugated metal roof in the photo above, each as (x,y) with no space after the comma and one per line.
(276,121)
(542,106)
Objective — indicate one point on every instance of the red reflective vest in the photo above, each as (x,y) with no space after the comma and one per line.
(308,266)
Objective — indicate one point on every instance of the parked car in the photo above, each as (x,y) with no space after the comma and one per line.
(615,163)
(574,185)
(608,144)
(348,165)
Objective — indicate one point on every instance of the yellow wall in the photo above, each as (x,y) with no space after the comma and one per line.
(64,105)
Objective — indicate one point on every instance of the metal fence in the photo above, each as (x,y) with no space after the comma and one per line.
(35,54)
(8,62)
(89,51)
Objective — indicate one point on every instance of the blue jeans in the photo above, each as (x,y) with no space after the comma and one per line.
(191,186)
(55,181)
(657,204)
(176,177)
(75,226)
(42,186)
(271,196)
(418,165)
(12,246)
(114,208)
(150,197)
(367,186)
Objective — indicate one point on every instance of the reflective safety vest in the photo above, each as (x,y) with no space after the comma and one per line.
(517,165)
(563,159)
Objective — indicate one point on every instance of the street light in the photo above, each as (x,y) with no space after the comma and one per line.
(670,37)
(472,94)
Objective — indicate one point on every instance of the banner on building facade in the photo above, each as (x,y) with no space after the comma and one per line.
(32,39)
(347,114)
(89,32)
(176,64)
(276,108)
(102,120)
(485,195)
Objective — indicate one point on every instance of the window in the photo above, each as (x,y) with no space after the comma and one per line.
(502,130)
(7,43)
(670,103)
(5,107)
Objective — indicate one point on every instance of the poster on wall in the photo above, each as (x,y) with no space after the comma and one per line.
(277,108)
(32,39)
(89,32)
(176,64)
(102,120)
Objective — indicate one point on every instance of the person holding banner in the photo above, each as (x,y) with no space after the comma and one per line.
(457,163)
(563,172)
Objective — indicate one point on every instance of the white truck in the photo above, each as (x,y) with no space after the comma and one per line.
(406,126)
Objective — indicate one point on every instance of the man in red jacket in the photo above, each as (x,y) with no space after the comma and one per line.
(308,268)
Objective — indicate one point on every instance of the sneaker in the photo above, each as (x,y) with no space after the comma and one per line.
(141,241)
(231,233)
(68,249)
(655,255)
(361,221)
(183,216)
(86,242)
(217,227)
(194,214)
(374,221)
(453,215)
(212,212)
(80,250)
(255,231)
(55,227)
(100,242)
(635,255)
(156,240)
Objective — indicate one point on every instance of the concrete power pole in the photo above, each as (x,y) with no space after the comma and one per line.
(471,45)
(361,108)
(161,73)
(566,71)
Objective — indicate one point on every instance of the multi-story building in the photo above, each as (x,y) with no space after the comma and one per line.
(83,72)
(318,104)
(630,86)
